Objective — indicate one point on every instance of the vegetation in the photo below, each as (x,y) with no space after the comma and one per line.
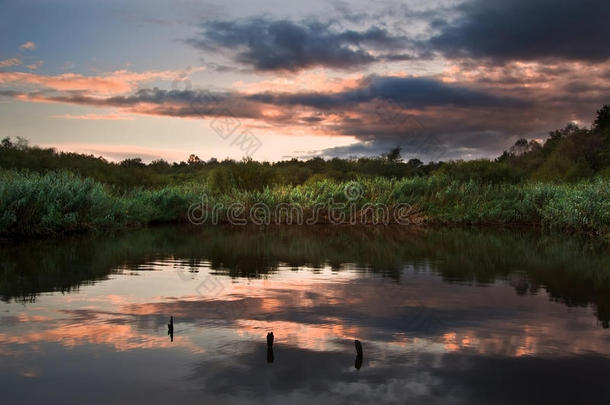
(562,184)
(33,204)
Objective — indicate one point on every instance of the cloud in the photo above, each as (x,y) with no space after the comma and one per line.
(117,82)
(35,65)
(426,116)
(104,117)
(117,152)
(10,62)
(402,92)
(29,45)
(275,45)
(494,30)
(470,110)
(526,30)
(312,80)
(408,92)
(423,147)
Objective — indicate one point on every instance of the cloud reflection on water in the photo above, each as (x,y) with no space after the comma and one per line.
(431,322)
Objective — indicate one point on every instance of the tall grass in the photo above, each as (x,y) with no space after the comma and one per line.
(58,202)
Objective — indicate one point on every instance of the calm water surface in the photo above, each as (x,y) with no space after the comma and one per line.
(456,316)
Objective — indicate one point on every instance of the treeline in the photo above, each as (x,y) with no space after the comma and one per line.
(570,154)
(221,175)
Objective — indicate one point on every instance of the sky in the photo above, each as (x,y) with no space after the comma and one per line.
(276,80)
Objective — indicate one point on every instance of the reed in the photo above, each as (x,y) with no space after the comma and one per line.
(61,202)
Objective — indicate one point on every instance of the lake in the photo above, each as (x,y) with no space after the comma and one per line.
(443,316)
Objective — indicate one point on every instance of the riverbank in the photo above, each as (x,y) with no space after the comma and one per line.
(56,203)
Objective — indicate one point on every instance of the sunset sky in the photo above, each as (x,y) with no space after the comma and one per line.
(280,79)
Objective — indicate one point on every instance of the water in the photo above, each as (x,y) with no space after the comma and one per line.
(450,316)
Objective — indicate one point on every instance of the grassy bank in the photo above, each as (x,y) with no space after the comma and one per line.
(60,202)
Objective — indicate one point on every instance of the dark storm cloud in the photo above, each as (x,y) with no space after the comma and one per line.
(431,142)
(408,92)
(497,30)
(425,148)
(526,30)
(269,45)
(417,92)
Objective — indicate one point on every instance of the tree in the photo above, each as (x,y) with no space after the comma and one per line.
(159,164)
(522,146)
(393,156)
(519,148)
(6,142)
(415,163)
(194,160)
(602,121)
(22,143)
(132,162)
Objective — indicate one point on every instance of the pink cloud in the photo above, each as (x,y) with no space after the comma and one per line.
(10,62)
(35,65)
(118,152)
(29,45)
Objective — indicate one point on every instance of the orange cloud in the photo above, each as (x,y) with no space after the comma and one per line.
(23,317)
(118,82)
(529,75)
(305,81)
(121,337)
(318,337)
